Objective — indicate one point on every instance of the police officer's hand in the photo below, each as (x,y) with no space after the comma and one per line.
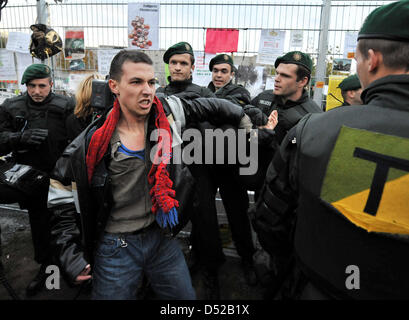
(33,136)
(272,120)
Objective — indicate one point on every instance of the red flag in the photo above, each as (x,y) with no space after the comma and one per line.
(221,40)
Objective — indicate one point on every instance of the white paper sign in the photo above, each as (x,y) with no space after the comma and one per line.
(7,65)
(19,42)
(271,46)
(104,60)
(202,75)
(269,83)
(24,60)
(256,87)
(350,44)
(296,38)
(143,26)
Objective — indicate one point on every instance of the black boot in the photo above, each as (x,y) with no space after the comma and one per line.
(38,282)
(211,284)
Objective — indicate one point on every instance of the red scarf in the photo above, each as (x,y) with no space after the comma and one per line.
(164,203)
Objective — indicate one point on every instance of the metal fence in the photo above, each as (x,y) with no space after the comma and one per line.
(105,22)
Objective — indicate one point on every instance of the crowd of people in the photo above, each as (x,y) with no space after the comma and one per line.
(115,193)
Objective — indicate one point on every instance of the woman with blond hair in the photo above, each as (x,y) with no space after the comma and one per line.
(83,112)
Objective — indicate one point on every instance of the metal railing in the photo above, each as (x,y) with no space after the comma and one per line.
(105,22)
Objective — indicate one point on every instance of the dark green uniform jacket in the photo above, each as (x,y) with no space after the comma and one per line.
(345,172)
(235,93)
(289,113)
(185,89)
(50,114)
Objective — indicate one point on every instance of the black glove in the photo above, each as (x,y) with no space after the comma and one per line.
(33,137)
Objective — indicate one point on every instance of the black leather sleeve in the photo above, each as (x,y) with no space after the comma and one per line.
(214,110)
(65,220)
(273,215)
(9,140)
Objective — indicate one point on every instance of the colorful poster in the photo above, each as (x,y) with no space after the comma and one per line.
(341,65)
(271,46)
(18,42)
(202,75)
(143,26)
(74,48)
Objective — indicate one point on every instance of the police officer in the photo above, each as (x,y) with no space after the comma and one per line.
(233,193)
(32,128)
(343,174)
(289,97)
(351,90)
(181,61)
(222,69)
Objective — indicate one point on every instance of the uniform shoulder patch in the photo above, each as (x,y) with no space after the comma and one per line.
(367,179)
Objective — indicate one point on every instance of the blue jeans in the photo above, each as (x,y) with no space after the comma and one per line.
(121,261)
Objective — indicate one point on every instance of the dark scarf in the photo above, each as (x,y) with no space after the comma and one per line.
(164,203)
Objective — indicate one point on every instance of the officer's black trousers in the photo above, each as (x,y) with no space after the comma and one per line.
(39,216)
(205,235)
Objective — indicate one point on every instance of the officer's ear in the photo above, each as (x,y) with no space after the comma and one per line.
(374,59)
(303,82)
(192,68)
(232,75)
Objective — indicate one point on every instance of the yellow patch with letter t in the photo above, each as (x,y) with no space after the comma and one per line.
(367,180)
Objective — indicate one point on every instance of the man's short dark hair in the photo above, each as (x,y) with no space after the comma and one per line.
(302,72)
(395,53)
(135,56)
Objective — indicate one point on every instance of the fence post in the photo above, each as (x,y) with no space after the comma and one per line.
(42,14)
(322,50)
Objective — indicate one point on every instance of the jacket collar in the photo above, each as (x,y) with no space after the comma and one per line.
(180,84)
(389,91)
(291,103)
(213,88)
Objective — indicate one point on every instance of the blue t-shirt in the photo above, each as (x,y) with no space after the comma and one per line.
(138,153)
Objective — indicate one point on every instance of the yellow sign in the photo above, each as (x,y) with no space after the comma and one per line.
(334,92)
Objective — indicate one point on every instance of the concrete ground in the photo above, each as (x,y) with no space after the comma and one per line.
(20,268)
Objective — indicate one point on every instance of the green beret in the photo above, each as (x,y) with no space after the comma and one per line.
(178,48)
(295,57)
(36,71)
(221,58)
(350,83)
(390,22)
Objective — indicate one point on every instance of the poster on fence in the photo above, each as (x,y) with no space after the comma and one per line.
(74,48)
(18,42)
(350,44)
(341,65)
(143,26)
(271,46)
(104,60)
(296,38)
(202,75)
